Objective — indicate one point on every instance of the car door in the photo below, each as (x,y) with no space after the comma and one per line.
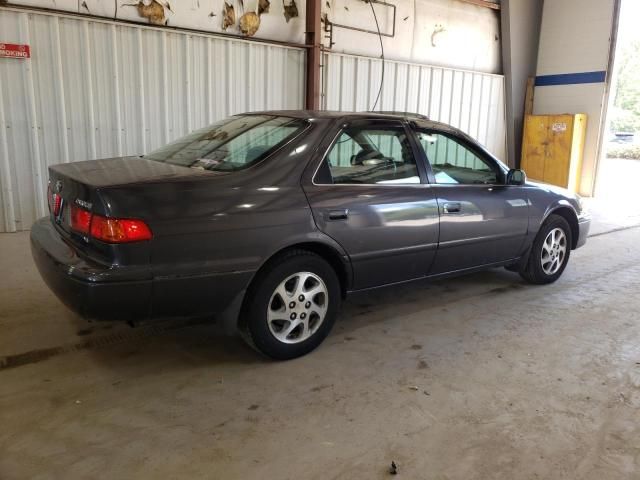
(482,220)
(368,192)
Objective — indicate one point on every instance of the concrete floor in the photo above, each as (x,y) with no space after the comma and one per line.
(477,377)
(616,204)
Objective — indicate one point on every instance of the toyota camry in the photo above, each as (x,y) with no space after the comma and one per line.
(268,220)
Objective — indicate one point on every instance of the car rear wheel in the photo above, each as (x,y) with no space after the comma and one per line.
(550,252)
(292,305)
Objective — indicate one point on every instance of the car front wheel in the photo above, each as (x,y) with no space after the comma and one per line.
(292,306)
(550,252)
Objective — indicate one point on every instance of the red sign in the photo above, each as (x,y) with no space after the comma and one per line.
(14,50)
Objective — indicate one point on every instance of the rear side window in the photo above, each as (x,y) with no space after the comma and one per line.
(365,155)
(232,144)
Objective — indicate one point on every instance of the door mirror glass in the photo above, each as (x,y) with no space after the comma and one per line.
(516,177)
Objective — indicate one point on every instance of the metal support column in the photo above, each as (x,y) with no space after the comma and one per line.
(313,37)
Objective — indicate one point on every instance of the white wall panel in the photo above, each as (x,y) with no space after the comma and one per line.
(561,50)
(470,101)
(206,16)
(97,89)
(436,32)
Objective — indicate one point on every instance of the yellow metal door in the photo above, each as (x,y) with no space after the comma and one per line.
(534,146)
(558,159)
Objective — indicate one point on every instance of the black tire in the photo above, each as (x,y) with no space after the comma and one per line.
(533,271)
(256,328)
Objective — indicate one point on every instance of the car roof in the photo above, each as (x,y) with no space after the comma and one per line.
(332,114)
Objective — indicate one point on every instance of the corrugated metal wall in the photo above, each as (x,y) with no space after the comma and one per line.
(471,101)
(96,89)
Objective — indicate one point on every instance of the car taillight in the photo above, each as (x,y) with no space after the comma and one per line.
(57,201)
(110,230)
(80,220)
(54,200)
(118,230)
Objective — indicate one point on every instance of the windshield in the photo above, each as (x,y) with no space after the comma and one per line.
(231,144)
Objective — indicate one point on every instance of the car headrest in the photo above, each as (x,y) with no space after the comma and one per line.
(255,152)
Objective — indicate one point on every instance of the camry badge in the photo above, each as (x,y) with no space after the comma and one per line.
(84,204)
(58,186)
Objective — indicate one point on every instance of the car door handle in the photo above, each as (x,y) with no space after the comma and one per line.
(452,207)
(338,214)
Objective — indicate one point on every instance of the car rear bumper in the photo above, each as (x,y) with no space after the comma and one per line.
(91,290)
(584,224)
(123,293)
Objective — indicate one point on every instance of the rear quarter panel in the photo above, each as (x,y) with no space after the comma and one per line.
(212,233)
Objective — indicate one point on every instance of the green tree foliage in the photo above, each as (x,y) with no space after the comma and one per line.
(624,120)
(630,152)
(627,100)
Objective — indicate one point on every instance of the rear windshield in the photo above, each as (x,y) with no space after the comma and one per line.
(231,144)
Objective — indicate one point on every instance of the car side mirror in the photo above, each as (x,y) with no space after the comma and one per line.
(516,177)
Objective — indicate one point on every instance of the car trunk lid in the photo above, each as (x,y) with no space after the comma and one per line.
(123,171)
(82,185)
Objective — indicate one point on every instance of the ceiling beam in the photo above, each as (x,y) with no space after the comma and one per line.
(483,3)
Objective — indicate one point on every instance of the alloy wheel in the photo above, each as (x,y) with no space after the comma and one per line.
(554,251)
(297,307)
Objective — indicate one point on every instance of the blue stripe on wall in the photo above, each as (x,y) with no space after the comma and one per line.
(571,78)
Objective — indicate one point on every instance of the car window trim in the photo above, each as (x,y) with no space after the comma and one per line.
(424,181)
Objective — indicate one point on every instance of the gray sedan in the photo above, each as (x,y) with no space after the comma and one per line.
(267,220)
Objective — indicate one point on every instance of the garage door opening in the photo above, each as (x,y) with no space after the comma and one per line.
(616,196)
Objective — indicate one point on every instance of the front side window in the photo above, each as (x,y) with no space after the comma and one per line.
(370,155)
(453,162)
(232,144)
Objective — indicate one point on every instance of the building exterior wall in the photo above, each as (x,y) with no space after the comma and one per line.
(471,101)
(571,76)
(438,32)
(98,89)
(205,15)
